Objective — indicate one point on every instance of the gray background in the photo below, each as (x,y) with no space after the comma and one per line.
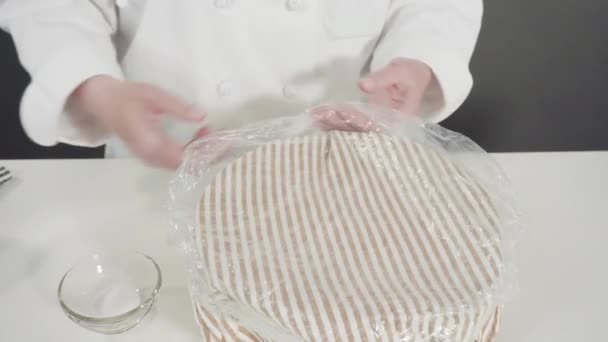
(541,83)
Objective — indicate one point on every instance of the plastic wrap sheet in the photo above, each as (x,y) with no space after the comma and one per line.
(403,232)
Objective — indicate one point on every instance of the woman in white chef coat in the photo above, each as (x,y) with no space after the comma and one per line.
(112,71)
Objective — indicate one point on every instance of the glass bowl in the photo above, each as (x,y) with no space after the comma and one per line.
(110,293)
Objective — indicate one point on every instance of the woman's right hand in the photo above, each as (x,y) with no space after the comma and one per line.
(134,112)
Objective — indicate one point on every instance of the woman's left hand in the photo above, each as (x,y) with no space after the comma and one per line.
(400,86)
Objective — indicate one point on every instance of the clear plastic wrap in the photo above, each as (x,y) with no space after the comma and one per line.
(403,232)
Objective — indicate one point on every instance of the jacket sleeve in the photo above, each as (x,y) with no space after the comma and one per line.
(440,33)
(61,43)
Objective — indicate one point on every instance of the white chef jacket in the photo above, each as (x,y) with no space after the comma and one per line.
(240,60)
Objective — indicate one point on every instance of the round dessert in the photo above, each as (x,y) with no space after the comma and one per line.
(347,236)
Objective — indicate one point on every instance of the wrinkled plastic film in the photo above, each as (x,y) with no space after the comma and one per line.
(290,233)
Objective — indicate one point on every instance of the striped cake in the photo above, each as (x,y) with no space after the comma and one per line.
(348,237)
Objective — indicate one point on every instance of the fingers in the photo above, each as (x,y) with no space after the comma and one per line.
(400,85)
(216,150)
(403,98)
(146,140)
(381,79)
(397,72)
(166,103)
(410,104)
(386,88)
(344,118)
(137,117)
(202,132)
(327,118)
(158,151)
(382,99)
(168,154)
(357,120)
(199,134)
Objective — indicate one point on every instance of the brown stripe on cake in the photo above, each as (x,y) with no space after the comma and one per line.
(256,262)
(472,192)
(475,189)
(245,234)
(346,282)
(341,186)
(219,262)
(454,290)
(433,247)
(439,297)
(387,294)
(476,203)
(340,237)
(220,233)
(458,218)
(311,151)
(471,220)
(303,213)
(428,270)
(376,246)
(231,242)
(287,283)
(321,149)
(477,197)
(286,227)
(277,267)
(440,208)
(391,232)
(298,212)
(271,309)
(240,252)
(429,210)
(338,179)
(491,328)
(210,322)
(205,329)
(397,199)
(208,217)
(247,335)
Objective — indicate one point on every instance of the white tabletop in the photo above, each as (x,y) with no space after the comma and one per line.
(56,211)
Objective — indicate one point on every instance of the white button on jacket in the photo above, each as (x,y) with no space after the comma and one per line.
(295,5)
(223,3)
(224,89)
(289,92)
(319,47)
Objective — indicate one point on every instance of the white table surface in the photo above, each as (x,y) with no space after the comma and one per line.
(57,211)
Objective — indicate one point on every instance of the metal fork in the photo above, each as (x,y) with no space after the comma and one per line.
(5,175)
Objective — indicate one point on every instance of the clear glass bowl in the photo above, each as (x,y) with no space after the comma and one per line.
(110,293)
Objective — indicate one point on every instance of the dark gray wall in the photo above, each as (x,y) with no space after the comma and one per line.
(541,82)
(541,73)
(13,142)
